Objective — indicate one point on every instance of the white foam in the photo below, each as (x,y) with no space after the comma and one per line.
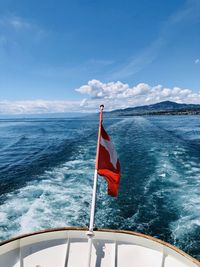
(178,176)
(54,199)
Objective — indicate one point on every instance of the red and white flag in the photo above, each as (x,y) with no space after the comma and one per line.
(108,163)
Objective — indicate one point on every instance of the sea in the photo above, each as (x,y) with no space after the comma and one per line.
(47,168)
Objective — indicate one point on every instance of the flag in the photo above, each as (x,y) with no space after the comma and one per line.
(108,163)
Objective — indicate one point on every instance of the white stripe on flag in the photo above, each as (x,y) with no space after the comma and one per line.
(111,150)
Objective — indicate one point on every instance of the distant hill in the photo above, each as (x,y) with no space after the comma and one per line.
(161,108)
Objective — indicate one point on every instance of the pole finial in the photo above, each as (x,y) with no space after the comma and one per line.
(101,107)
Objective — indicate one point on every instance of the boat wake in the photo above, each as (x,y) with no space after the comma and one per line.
(47,177)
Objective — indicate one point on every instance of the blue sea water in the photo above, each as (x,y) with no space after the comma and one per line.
(46,176)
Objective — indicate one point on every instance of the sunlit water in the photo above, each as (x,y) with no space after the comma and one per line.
(46,172)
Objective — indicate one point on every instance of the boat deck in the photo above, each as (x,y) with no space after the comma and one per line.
(68,247)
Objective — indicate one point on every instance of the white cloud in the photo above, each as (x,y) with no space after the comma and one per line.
(120,95)
(38,106)
(84,103)
(14,22)
(188,13)
(16,29)
(18,23)
(197,61)
(97,89)
(113,95)
(138,62)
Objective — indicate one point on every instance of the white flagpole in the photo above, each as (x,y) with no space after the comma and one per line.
(92,212)
(90,233)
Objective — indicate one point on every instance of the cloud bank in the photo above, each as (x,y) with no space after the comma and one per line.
(120,95)
(113,95)
(37,107)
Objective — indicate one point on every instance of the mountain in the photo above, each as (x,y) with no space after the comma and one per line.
(161,108)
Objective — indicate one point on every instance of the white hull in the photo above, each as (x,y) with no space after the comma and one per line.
(68,247)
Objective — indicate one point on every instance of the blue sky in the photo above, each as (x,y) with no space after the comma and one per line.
(72,55)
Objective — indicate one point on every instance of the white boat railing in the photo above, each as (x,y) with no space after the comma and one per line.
(68,247)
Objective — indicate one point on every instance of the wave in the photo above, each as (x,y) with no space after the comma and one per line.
(51,185)
(57,198)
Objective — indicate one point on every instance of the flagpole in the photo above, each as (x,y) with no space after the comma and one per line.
(90,233)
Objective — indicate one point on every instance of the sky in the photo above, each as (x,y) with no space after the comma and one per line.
(72,55)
